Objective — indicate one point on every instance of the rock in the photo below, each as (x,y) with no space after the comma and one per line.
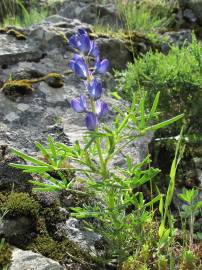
(189,15)
(12,51)
(18,231)
(110,48)
(179,38)
(91,13)
(11,177)
(25,260)
(88,241)
(195,6)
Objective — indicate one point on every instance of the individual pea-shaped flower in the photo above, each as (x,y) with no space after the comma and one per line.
(95,88)
(101,66)
(79,105)
(79,67)
(81,41)
(101,108)
(94,50)
(91,121)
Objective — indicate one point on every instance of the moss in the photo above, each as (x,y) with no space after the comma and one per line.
(53,216)
(21,204)
(3,30)
(54,80)
(60,251)
(16,88)
(5,254)
(18,35)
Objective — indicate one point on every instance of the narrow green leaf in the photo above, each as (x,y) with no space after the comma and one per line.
(165,123)
(28,158)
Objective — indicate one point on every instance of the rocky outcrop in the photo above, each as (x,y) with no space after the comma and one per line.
(29,260)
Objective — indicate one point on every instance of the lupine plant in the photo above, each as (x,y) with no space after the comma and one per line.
(118,202)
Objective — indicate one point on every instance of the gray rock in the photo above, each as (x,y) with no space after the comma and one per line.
(91,13)
(116,51)
(13,51)
(179,38)
(11,177)
(18,230)
(195,6)
(189,15)
(74,230)
(24,260)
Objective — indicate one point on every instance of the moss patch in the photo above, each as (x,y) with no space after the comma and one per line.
(62,252)
(16,34)
(54,80)
(5,254)
(20,204)
(16,88)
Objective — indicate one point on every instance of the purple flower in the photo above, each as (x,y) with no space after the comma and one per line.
(101,66)
(94,51)
(91,121)
(101,108)
(79,105)
(78,66)
(80,41)
(95,88)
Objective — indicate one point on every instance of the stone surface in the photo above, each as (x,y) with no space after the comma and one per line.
(88,241)
(28,260)
(91,12)
(18,230)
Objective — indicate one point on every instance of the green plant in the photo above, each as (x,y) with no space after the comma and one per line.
(146,16)
(188,260)
(15,12)
(190,209)
(124,215)
(176,75)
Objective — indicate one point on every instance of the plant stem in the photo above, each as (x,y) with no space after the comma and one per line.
(98,145)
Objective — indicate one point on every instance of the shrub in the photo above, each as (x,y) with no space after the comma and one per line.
(176,75)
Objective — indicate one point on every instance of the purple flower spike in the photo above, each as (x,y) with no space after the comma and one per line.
(91,121)
(101,108)
(79,105)
(101,66)
(95,88)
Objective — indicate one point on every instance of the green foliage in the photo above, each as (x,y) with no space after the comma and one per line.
(190,209)
(188,260)
(147,16)
(178,76)
(120,206)
(5,254)
(15,12)
(53,166)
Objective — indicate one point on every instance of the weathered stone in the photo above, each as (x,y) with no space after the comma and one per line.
(179,38)
(25,260)
(18,231)
(92,13)
(74,230)
(12,51)
(116,51)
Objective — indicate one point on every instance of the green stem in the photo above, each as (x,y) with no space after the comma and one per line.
(98,145)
